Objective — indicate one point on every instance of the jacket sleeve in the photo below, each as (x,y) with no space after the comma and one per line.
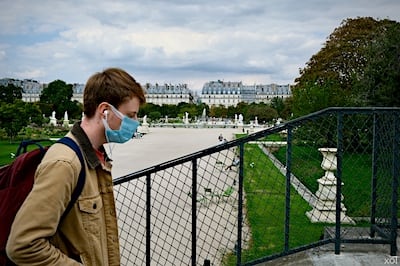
(38,218)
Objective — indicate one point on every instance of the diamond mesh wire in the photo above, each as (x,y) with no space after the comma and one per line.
(276,217)
(171,212)
(384,169)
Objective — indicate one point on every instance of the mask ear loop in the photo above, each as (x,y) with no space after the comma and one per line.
(108,144)
(117,112)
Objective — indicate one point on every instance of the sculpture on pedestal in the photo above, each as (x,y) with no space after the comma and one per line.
(53,119)
(325,208)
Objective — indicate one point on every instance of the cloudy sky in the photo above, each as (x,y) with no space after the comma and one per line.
(172,41)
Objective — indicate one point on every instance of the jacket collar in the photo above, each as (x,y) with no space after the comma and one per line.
(87,147)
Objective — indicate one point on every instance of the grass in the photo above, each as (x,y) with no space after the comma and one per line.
(306,162)
(265,198)
(8,148)
(265,206)
(271,137)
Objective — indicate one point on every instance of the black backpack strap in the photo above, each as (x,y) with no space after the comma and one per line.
(82,177)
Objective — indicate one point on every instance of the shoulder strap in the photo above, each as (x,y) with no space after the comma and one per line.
(82,176)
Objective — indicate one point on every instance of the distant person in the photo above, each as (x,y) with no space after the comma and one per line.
(88,234)
(235,163)
(221,138)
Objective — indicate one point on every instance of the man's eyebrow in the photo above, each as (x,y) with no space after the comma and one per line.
(131,114)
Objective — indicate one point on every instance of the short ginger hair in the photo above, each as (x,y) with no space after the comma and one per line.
(113,85)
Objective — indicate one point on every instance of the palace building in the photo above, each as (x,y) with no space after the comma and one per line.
(168,94)
(213,93)
(231,93)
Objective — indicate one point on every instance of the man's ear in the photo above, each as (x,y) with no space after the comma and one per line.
(103,109)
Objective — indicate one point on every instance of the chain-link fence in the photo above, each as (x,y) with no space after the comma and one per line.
(330,177)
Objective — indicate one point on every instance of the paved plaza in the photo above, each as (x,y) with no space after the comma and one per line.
(163,144)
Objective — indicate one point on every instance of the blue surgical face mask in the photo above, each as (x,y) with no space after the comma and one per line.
(126,130)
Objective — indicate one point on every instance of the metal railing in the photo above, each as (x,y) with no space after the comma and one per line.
(284,195)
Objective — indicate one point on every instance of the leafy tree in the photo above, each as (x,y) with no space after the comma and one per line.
(314,97)
(278,104)
(10,93)
(15,116)
(74,109)
(263,112)
(241,108)
(287,111)
(200,107)
(170,110)
(232,110)
(58,95)
(380,84)
(189,108)
(337,67)
(155,115)
(218,111)
(147,108)
(34,114)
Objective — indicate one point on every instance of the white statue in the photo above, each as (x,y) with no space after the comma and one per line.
(186,121)
(240,119)
(144,127)
(53,120)
(66,115)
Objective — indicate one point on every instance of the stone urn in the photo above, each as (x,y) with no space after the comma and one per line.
(325,207)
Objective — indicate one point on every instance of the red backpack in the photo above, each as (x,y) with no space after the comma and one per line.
(16,181)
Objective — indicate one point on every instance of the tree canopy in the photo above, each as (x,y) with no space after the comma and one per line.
(15,116)
(10,93)
(380,83)
(57,97)
(334,75)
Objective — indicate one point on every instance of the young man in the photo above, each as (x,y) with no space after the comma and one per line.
(88,234)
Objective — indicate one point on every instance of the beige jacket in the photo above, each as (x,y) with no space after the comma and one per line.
(88,235)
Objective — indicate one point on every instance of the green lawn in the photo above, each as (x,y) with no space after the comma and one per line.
(8,148)
(264,188)
(356,176)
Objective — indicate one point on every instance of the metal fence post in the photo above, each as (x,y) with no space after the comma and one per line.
(287,192)
(374,180)
(148,217)
(240,207)
(395,184)
(339,182)
(194,211)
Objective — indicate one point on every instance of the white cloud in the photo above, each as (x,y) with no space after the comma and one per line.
(2,54)
(172,41)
